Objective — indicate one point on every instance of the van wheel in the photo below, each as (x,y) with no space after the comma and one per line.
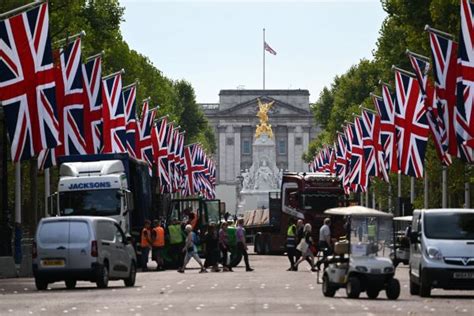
(393,289)
(41,284)
(103,277)
(130,281)
(425,286)
(329,290)
(70,284)
(353,287)
(372,293)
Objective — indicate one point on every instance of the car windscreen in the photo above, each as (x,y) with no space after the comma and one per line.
(449,225)
(93,202)
(54,232)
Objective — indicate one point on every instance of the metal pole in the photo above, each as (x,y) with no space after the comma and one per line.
(361,197)
(18,192)
(399,194)
(467,188)
(47,190)
(263,58)
(367,197)
(425,189)
(373,198)
(444,195)
(390,197)
(412,190)
(21,9)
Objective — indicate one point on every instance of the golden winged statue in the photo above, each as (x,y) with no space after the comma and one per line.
(264,127)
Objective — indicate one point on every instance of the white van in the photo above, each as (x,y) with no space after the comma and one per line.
(88,248)
(441,250)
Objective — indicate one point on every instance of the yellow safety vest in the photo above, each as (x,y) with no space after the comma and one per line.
(371,230)
(176,236)
(291,231)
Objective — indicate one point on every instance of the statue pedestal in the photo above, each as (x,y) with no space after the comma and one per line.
(263,176)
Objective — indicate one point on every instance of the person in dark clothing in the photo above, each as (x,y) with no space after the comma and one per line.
(211,244)
(241,244)
(307,252)
(299,236)
(291,243)
(224,246)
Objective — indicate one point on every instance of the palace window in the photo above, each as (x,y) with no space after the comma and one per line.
(281,147)
(246,148)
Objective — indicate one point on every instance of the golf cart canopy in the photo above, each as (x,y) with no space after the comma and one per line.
(356,211)
(403,218)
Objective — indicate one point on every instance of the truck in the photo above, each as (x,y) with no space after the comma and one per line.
(303,195)
(113,185)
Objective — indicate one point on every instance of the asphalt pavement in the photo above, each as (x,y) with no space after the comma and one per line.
(270,289)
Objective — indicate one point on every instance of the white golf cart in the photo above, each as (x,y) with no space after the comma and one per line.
(361,262)
(402,228)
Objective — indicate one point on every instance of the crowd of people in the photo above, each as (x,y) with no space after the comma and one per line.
(300,245)
(182,243)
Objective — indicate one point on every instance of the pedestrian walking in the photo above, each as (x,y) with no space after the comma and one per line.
(176,241)
(224,246)
(324,243)
(211,245)
(158,243)
(242,244)
(291,243)
(190,250)
(145,244)
(305,248)
(299,237)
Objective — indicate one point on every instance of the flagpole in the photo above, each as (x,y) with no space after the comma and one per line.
(263,58)
(467,187)
(425,188)
(444,195)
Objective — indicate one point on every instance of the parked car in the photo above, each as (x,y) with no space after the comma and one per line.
(87,248)
(441,250)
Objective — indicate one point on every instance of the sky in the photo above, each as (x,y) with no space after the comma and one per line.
(218,45)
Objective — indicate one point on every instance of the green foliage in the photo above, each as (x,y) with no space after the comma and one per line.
(402,29)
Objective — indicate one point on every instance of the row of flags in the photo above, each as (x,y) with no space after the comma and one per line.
(394,138)
(56,105)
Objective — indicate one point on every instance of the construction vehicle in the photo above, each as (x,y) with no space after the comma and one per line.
(303,195)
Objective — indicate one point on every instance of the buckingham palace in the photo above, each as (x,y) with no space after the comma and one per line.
(234,121)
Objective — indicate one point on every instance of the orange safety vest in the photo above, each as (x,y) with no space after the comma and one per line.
(144,238)
(159,240)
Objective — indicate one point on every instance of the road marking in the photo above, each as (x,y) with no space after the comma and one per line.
(265,306)
(97,310)
(138,290)
(30,312)
(165,308)
(168,285)
(202,305)
(139,306)
(432,309)
(43,309)
(232,307)
(25,289)
(65,311)
(170,305)
(198,307)
(399,309)
(15,292)
(188,288)
(132,309)
(74,308)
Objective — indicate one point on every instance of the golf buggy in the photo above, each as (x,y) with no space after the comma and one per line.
(401,251)
(361,262)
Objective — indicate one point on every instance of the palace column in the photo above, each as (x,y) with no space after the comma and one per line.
(306,131)
(237,131)
(222,152)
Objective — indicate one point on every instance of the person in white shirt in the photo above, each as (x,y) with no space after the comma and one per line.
(324,243)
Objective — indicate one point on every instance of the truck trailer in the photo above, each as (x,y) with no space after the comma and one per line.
(303,195)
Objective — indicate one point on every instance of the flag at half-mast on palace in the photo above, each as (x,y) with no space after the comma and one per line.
(92,79)
(269,49)
(464,114)
(27,83)
(411,125)
(114,131)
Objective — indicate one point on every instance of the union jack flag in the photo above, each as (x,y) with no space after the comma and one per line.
(346,177)
(444,51)
(340,149)
(160,137)
(421,67)
(27,83)
(358,176)
(144,140)
(92,79)
(411,124)
(70,98)
(464,114)
(129,101)
(171,149)
(388,138)
(114,115)
(189,188)
(179,159)
(373,153)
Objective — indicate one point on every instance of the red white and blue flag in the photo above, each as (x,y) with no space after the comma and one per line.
(346,179)
(373,153)
(130,103)
(388,138)
(439,133)
(92,79)
(114,132)
(357,177)
(144,143)
(411,124)
(340,148)
(27,83)
(70,98)
(160,138)
(444,52)
(464,114)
